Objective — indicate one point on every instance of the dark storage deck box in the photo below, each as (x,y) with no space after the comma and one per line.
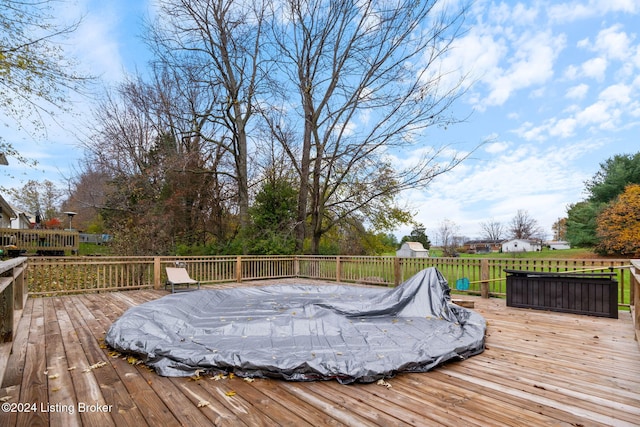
(594,294)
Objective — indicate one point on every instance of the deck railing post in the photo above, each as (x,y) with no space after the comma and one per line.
(397,271)
(635,297)
(484,277)
(238,269)
(156,272)
(338,269)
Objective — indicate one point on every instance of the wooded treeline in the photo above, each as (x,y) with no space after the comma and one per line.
(272,126)
(608,220)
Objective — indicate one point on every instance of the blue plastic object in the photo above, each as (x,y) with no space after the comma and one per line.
(462,284)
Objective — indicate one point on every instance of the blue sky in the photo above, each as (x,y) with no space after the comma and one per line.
(553,86)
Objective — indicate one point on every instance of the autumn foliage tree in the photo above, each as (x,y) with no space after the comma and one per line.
(608,183)
(618,226)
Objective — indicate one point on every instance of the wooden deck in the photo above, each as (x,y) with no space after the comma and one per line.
(539,368)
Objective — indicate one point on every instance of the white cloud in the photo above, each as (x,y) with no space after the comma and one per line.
(614,43)
(496,147)
(595,68)
(540,180)
(605,113)
(532,64)
(616,94)
(577,92)
(576,10)
(98,49)
(563,128)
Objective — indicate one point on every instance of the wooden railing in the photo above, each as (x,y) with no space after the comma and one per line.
(13,296)
(635,296)
(40,241)
(485,276)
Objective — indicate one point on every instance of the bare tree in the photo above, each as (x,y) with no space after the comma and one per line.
(40,198)
(368,83)
(224,40)
(447,235)
(87,191)
(522,226)
(492,229)
(165,176)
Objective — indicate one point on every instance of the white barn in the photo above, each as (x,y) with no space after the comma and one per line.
(412,250)
(560,244)
(521,245)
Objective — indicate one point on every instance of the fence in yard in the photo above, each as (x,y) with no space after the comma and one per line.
(485,276)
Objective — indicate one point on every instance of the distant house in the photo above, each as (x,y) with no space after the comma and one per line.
(6,213)
(20,220)
(521,245)
(412,250)
(557,245)
(482,246)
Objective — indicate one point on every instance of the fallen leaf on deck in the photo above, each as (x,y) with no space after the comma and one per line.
(95,366)
(383,383)
(133,360)
(230,393)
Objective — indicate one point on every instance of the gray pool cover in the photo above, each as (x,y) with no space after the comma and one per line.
(302,332)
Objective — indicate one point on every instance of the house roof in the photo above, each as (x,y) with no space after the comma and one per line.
(6,208)
(415,246)
(483,242)
(532,241)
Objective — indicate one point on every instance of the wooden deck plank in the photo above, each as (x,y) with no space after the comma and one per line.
(175,400)
(112,391)
(33,388)
(61,390)
(15,364)
(550,373)
(208,404)
(540,368)
(337,410)
(271,406)
(80,359)
(312,414)
(10,394)
(153,409)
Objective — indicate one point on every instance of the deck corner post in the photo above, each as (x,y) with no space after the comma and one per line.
(338,269)
(484,277)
